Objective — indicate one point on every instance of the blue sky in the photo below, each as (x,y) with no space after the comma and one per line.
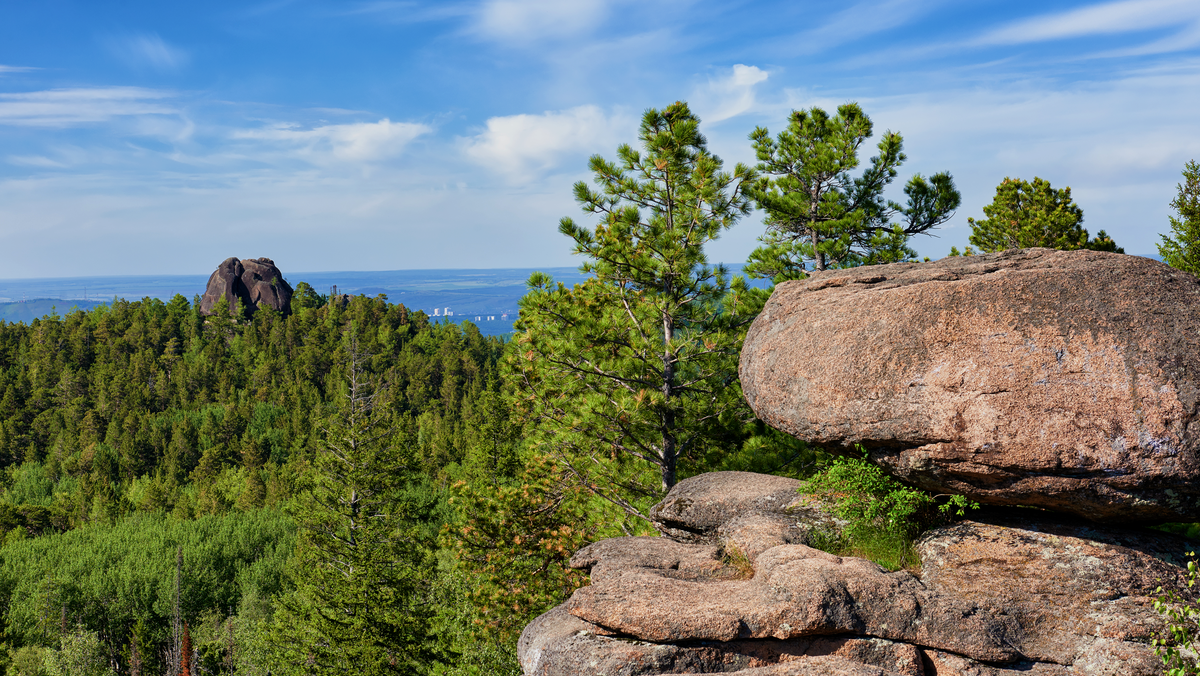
(160,138)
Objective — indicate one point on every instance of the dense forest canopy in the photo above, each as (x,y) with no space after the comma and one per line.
(123,426)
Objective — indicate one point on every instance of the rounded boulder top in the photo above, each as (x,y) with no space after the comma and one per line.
(253,281)
(1067,380)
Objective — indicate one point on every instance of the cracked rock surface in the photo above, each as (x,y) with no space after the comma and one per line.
(253,281)
(1067,380)
(1011,592)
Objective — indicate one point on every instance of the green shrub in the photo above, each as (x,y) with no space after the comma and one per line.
(28,661)
(1183,629)
(883,516)
(80,654)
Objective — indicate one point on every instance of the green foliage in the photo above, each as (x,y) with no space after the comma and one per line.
(486,653)
(1102,242)
(817,213)
(1181,249)
(108,579)
(1179,648)
(362,568)
(1025,214)
(515,539)
(883,516)
(80,653)
(1189,531)
(633,372)
(138,426)
(145,406)
(29,660)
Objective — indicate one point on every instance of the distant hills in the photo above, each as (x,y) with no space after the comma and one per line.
(473,295)
(482,297)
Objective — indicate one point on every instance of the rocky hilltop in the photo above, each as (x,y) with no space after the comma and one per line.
(1063,381)
(253,281)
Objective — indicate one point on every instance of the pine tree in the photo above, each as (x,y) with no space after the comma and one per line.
(635,370)
(1025,214)
(362,565)
(819,215)
(1182,248)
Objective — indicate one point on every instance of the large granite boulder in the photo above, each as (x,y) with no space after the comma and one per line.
(253,281)
(1068,380)
(1008,593)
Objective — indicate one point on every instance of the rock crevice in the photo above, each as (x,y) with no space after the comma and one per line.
(254,282)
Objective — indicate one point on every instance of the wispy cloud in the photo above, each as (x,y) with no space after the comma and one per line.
(1124,16)
(35,161)
(523,20)
(408,11)
(146,50)
(359,142)
(15,69)
(730,95)
(520,147)
(68,107)
(856,22)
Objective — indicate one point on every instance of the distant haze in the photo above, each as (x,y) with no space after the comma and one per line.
(154,138)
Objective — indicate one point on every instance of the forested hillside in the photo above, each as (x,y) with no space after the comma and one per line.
(134,431)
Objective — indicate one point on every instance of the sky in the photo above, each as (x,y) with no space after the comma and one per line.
(145,137)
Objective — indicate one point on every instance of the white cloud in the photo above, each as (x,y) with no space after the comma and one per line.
(1178,42)
(147,49)
(856,22)
(69,107)
(15,69)
(36,161)
(729,95)
(1108,18)
(521,146)
(522,20)
(407,11)
(358,142)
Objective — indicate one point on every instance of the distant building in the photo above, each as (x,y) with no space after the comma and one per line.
(435,312)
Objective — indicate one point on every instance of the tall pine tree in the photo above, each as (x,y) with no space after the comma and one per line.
(818,215)
(635,370)
(362,567)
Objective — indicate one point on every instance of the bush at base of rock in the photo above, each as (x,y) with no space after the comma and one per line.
(1182,635)
(883,516)
(1006,593)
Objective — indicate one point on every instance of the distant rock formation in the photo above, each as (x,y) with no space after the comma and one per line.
(254,281)
(1068,380)
(1010,592)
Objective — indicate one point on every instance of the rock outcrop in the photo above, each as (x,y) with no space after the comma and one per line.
(253,281)
(1063,380)
(1008,593)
